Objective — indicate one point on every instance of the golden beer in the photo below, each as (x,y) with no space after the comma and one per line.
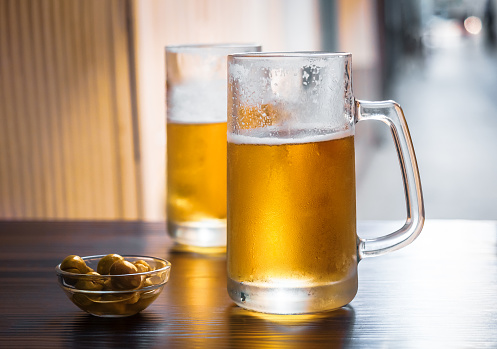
(292,214)
(196,172)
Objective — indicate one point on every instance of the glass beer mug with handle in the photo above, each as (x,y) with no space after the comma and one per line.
(292,241)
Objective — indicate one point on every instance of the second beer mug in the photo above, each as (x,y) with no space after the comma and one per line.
(196,144)
(292,241)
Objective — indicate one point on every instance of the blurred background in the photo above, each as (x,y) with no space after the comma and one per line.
(82,97)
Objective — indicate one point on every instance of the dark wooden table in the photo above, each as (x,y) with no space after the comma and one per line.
(441,291)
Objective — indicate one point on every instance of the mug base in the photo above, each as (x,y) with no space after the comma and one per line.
(207,236)
(275,299)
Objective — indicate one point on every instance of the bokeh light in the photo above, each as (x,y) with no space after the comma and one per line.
(473,25)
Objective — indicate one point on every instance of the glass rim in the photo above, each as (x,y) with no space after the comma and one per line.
(193,47)
(289,54)
(167,266)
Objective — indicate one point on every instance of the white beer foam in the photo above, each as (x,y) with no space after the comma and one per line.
(272,135)
(197,102)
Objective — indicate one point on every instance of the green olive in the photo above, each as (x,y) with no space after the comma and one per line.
(160,264)
(72,270)
(142,266)
(125,282)
(108,285)
(148,282)
(81,300)
(106,262)
(91,284)
(134,298)
(117,308)
(124,298)
(74,262)
(123,267)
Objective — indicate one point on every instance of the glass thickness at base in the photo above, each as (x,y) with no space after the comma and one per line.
(207,236)
(278,299)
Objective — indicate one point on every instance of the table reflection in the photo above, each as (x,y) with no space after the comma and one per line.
(197,282)
(136,331)
(196,297)
(257,330)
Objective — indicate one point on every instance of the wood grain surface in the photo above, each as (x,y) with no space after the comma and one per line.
(441,292)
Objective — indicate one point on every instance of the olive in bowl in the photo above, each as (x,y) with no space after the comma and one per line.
(130,285)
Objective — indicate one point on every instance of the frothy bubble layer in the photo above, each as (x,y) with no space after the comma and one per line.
(197,102)
(277,135)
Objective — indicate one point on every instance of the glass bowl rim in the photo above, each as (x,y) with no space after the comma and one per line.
(151,272)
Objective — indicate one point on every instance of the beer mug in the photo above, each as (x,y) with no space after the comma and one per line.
(292,241)
(196,144)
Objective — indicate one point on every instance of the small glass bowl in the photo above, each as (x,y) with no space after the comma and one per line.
(89,294)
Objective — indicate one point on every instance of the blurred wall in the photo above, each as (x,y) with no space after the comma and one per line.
(68,145)
(358,34)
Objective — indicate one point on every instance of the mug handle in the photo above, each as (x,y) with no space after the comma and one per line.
(391,114)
